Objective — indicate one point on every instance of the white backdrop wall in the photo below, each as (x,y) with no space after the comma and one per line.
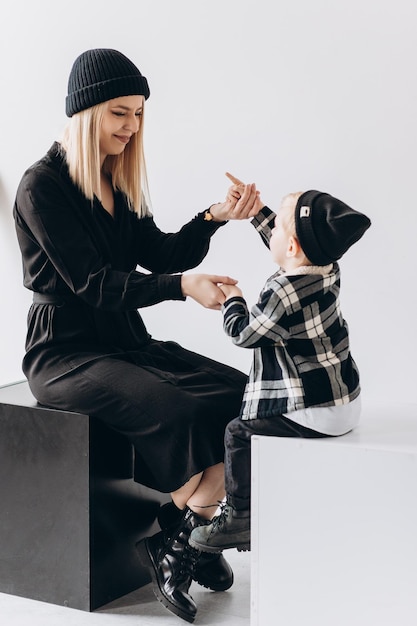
(290,95)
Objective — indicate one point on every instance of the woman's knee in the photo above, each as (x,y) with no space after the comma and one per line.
(181,496)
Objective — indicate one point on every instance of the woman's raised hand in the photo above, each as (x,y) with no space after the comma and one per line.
(204,288)
(242,202)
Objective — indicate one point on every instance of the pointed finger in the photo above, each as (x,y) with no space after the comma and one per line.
(234,180)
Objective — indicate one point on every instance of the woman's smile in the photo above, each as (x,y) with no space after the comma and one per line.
(123,138)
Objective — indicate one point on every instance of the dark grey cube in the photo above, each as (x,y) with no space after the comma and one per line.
(70,512)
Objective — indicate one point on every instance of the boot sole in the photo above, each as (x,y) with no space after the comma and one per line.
(204,547)
(212,587)
(147,561)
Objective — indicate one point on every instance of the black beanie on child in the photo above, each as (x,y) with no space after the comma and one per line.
(99,75)
(326,227)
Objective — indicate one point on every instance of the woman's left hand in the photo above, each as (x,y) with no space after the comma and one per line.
(242,202)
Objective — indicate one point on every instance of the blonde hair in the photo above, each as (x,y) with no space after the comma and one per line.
(81,142)
(289,219)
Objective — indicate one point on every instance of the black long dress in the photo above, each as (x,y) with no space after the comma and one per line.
(87,348)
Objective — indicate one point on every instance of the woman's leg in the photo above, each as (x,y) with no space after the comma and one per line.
(168,555)
(203,492)
(162,399)
(181,496)
(173,413)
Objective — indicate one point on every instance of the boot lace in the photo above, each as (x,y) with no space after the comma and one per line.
(220,520)
(189,560)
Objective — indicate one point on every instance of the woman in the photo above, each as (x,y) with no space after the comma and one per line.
(84,225)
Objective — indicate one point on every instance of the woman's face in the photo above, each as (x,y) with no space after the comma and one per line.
(121,120)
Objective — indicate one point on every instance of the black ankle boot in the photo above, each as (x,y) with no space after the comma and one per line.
(211,569)
(171,562)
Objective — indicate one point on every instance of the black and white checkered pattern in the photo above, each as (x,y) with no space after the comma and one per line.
(300,340)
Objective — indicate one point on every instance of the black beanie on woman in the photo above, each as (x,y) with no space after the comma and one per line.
(100,75)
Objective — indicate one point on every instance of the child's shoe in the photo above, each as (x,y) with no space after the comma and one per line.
(230,529)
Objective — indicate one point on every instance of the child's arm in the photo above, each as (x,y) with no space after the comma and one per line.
(262,326)
(264,223)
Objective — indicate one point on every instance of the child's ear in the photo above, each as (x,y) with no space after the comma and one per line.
(293,248)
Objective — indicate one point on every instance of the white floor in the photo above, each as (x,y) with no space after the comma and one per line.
(140,608)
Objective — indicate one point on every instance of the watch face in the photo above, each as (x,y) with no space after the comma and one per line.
(208,216)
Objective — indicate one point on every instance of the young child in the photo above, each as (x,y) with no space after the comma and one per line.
(303,381)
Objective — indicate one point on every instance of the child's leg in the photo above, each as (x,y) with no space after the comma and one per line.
(237,463)
(232,528)
(238,452)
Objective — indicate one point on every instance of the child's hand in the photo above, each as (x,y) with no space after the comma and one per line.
(231,291)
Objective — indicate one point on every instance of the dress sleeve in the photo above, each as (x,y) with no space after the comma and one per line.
(173,252)
(60,251)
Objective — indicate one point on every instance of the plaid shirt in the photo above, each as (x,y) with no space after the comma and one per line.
(300,340)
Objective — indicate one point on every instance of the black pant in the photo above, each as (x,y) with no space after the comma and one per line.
(238,451)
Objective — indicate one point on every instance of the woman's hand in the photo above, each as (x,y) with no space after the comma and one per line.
(242,202)
(204,288)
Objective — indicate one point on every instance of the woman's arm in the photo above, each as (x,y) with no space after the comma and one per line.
(162,252)
(58,240)
(185,249)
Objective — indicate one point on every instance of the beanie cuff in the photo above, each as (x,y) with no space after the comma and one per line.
(305,231)
(106,90)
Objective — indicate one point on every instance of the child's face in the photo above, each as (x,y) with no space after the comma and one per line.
(282,232)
